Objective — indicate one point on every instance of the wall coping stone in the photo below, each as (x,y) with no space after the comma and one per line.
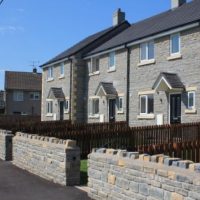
(67,144)
(189,174)
(6,132)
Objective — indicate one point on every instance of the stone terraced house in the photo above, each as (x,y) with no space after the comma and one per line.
(146,73)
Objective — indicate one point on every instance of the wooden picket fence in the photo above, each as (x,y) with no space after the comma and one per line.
(180,140)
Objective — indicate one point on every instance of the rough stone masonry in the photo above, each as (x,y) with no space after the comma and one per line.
(6,145)
(50,158)
(120,175)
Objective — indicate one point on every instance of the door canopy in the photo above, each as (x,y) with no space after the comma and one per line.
(56,93)
(168,82)
(106,89)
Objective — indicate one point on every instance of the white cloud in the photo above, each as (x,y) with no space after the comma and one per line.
(10,29)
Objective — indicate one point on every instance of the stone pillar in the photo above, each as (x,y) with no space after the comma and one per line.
(78,90)
(74,91)
(6,145)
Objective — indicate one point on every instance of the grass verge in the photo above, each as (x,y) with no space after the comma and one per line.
(83,169)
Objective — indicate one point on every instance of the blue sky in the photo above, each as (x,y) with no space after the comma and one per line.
(34,30)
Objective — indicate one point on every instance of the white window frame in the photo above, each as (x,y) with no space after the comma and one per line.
(179,46)
(62,70)
(18,96)
(50,73)
(93,65)
(147,51)
(91,113)
(112,67)
(188,97)
(146,104)
(120,109)
(66,102)
(35,94)
(49,101)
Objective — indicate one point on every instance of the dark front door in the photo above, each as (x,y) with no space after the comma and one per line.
(112,105)
(61,110)
(175,108)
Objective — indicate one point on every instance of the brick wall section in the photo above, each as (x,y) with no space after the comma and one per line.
(6,145)
(128,175)
(50,158)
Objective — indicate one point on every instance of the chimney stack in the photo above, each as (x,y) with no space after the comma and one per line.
(118,17)
(35,70)
(177,3)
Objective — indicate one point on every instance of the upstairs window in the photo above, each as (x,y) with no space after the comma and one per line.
(93,106)
(50,73)
(94,65)
(34,96)
(146,104)
(191,100)
(62,69)
(111,64)
(18,96)
(175,43)
(147,51)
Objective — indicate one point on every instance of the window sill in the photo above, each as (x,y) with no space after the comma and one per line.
(94,73)
(146,62)
(94,117)
(190,111)
(66,112)
(174,57)
(146,116)
(120,112)
(61,77)
(34,99)
(50,79)
(49,115)
(111,70)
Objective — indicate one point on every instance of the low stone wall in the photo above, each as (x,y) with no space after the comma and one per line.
(121,175)
(50,158)
(6,145)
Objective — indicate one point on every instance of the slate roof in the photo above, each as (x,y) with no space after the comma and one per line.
(23,81)
(183,15)
(57,92)
(173,80)
(108,88)
(82,44)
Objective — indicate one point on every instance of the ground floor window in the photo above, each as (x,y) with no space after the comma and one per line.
(120,104)
(50,107)
(146,104)
(191,100)
(66,106)
(93,106)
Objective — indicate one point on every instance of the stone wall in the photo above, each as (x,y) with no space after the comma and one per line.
(50,158)
(125,175)
(5,145)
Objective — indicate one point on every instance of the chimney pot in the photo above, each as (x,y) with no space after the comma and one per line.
(35,70)
(118,17)
(177,3)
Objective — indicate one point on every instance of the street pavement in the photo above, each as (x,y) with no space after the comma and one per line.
(17,184)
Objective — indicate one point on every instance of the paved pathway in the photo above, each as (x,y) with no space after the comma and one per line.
(16,184)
